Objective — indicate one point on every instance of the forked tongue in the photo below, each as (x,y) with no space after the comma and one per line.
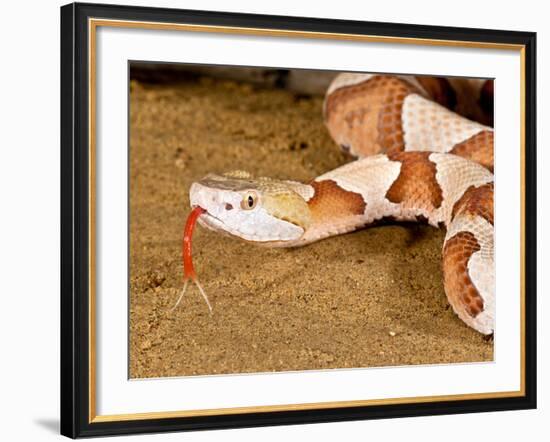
(188,269)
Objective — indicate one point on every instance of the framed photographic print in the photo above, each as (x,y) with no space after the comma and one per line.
(276,220)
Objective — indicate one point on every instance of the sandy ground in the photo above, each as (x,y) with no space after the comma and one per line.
(370,298)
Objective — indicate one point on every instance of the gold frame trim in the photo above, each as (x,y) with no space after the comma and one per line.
(93,24)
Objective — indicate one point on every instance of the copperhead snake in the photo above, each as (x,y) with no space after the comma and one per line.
(416,160)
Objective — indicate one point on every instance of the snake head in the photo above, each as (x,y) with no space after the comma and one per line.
(254,209)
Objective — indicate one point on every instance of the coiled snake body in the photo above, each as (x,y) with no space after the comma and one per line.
(417,161)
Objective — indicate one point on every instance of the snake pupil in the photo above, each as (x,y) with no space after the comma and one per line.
(250,201)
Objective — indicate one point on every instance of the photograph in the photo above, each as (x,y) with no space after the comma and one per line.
(294,219)
(272,220)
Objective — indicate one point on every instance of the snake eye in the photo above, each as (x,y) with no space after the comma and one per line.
(249,201)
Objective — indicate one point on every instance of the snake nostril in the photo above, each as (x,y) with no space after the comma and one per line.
(228,206)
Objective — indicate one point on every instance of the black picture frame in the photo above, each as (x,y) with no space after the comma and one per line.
(75,194)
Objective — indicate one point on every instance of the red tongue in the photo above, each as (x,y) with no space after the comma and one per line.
(188,269)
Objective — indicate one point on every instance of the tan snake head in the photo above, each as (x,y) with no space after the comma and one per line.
(261,210)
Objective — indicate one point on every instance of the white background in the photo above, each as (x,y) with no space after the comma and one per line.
(29,241)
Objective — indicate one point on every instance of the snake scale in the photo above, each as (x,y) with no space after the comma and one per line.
(415,159)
